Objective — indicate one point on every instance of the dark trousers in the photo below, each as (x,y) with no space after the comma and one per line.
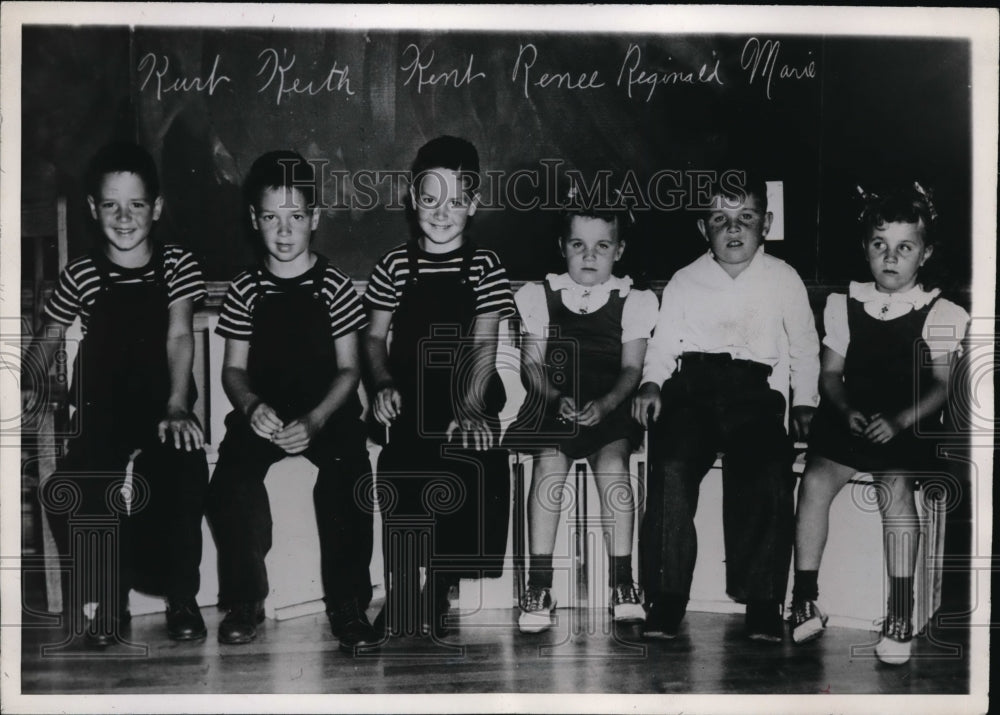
(708,408)
(240,514)
(156,548)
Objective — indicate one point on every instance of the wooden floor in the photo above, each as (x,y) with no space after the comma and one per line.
(488,655)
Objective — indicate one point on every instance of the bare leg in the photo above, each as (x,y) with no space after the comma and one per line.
(822,481)
(610,467)
(545,500)
(900,525)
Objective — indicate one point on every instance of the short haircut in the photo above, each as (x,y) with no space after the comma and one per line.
(448,152)
(122,158)
(903,204)
(735,185)
(618,215)
(281,169)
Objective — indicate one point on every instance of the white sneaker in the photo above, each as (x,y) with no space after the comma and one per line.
(626,603)
(896,642)
(807,621)
(536,610)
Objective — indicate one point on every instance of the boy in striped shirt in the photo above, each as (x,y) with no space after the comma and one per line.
(437,392)
(291,371)
(133,394)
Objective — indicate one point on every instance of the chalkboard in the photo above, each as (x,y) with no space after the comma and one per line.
(817,113)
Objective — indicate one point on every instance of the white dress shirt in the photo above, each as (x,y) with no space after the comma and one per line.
(762,315)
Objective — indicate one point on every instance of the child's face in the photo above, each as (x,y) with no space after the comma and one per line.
(125,213)
(443,208)
(591,248)
(285,222)
(895,252)
(734,233)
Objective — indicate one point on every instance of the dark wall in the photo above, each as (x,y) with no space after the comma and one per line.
(868,107)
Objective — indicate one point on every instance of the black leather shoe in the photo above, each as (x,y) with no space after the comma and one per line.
(184,621)
(764,623)
(351,628)
(105,628)
(240,624)
(664,617)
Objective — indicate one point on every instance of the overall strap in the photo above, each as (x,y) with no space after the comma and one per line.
(411,264)
(468,255)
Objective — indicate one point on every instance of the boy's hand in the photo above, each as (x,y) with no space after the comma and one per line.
(475,434)
(181,428)
(856,422)
(566,409)
(647,398)
(264,421)
(881,429)
(802,416)
(387,405)
(297,434)
(592,413)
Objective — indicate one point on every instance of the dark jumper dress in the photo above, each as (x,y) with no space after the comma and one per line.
(583,361)
(887,365)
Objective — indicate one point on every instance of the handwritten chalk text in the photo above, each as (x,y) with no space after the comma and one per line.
(158,67)
(425,78)
(630,75)
(756,52)
(279,66)
(526,58)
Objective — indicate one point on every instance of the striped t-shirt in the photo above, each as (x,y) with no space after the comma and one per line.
(80,283)
(489,279)
(342,302)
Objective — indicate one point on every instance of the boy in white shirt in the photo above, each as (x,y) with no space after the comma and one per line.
(735,330)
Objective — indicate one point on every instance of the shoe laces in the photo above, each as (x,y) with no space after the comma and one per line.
(626,593)
(535,598)
(803,611)
(896,627)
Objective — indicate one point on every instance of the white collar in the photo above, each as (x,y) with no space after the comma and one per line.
(563,281)
(915,296)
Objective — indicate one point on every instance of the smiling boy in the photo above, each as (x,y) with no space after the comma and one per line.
(734,332)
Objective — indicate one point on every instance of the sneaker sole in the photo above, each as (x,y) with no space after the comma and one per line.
(893,658)
(804,634)
(629,617)
(765,638)
(534,624)
(657,635)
